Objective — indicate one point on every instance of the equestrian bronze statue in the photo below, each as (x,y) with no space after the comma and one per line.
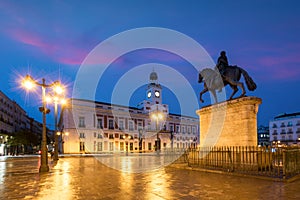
(216,79)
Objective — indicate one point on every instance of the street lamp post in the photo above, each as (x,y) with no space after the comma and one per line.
(29,83)
(56,99)
(157,115)
(55,157)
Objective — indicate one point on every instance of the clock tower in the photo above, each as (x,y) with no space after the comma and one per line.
(153,100)
(153,94)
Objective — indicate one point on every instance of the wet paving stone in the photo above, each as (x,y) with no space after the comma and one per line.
(88,178)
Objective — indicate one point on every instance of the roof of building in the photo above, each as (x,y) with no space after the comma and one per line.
(129,107)
(287,115)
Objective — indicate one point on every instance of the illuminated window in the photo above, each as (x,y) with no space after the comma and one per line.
(111,146)
(81,146)
(99,146)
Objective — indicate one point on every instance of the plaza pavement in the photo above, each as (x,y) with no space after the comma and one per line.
(82,177)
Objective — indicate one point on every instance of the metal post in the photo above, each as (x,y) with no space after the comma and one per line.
(157,135)
(44,154)
(55,157)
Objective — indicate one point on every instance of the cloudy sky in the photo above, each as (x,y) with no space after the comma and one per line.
(52,39)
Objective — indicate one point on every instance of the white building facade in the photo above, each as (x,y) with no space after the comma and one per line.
(285,129)
(96,127)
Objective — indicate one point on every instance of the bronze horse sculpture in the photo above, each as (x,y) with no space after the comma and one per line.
(232,74)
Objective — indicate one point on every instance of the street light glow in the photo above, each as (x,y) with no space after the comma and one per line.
(58,88)
(28,83)
(63,101)
(157,115)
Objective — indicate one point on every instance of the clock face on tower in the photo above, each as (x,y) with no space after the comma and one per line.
(157,94)
(149,94)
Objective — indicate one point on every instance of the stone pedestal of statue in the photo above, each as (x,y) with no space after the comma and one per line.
(230,123)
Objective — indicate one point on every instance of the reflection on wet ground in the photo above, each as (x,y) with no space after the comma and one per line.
(88,178)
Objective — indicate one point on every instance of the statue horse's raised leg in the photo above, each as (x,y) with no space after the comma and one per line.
(202,92)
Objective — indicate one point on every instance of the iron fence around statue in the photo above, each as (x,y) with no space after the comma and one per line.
(282,163)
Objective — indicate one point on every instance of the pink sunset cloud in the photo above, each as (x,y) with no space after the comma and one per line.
(56,49)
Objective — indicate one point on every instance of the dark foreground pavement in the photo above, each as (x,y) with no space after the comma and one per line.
(87,178)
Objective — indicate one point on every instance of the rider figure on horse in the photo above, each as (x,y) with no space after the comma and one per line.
(222,63)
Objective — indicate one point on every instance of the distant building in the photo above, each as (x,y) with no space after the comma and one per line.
(263,136)
(95,127)
(13,119)
(285,128)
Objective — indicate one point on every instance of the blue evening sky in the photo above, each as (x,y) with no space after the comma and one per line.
(52,38)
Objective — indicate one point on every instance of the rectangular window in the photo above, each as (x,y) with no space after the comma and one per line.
(131,146)
(130,125)
(140,126)
(81,122)
(111,124)
(111,136)
(188,129)
(121,124)
(95,145)
(194,130)
(182,129)
(99,146)
(99,136)
(100,123)
(111,146)
(177,128)
(149,146)
(95,134)
(171,128)
(81,135)
(81,146)
(121,146)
